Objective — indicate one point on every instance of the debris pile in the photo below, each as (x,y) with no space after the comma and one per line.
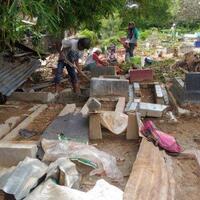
(191,62)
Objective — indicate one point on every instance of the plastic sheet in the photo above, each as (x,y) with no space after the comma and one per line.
(64,171)
(23,178)
(55,149)
(116,122)
(101,191)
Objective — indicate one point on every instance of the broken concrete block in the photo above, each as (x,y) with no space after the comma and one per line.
(165,95)
(151,110)
(137,75)
(99,71)
(100,87)
(39,97)
(136,88)
(131,107)
(12,153)
(171,118)
(158,94)
(183,112)
(94,105)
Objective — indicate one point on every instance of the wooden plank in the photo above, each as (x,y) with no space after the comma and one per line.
(149,178)
(69,108)
(14,133)
(132,129)
(95,126)
(85,111)
(120,106)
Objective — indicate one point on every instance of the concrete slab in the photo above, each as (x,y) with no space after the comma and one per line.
(99,71)
(151,110)
(11,153)
(100,87)
(159,94)
(39,97)
(73,126)
(136,88)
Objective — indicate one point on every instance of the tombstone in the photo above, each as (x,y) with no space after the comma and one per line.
(192,87)
(100,71)
(105,87)
(188,91)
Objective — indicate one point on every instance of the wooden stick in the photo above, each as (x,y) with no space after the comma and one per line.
(79,71)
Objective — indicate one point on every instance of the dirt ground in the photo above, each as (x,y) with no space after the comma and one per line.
(187,177)
(186,170)
(42,121)
(11,110)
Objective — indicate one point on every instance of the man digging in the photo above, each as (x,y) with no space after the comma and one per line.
(68,57)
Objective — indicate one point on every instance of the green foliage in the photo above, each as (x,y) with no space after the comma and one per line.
(53,16)
(154,13)
(145,34)
(89,34)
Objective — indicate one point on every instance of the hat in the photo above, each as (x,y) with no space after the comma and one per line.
(96,50)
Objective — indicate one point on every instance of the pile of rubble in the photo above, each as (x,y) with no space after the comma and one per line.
(191,62)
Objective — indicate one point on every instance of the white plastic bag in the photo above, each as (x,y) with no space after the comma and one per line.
(116,122)
(104,162)
(51,191)
(64,171)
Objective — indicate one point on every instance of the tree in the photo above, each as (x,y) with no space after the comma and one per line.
(154,13)
(53,16)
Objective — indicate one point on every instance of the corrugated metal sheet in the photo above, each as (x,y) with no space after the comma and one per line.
(20,180)
(11,77)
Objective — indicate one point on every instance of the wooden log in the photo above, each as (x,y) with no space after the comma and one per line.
(149,177)
(14,133)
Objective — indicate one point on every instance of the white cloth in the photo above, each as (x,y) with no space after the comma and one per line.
(70,43)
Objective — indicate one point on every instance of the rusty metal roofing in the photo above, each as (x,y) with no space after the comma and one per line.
(12,76)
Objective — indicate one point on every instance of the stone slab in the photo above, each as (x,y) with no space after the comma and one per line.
(137,75)
(151,110)
(100,87)
(192,81)
(159,94)
(100,71)
(74,126)
(39,97)
(136,88)
(12,153)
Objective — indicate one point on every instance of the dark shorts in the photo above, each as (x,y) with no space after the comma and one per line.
(71,72)
(130,49)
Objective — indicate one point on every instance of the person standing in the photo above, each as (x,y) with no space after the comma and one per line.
(132,38)
(70,52)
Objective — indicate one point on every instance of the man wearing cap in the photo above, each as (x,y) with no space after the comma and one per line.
(70,53)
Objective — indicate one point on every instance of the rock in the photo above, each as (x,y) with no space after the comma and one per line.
(94,105)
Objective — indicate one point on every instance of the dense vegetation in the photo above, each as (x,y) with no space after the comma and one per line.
(103,19)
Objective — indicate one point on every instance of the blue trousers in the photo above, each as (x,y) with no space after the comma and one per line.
(71,71)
